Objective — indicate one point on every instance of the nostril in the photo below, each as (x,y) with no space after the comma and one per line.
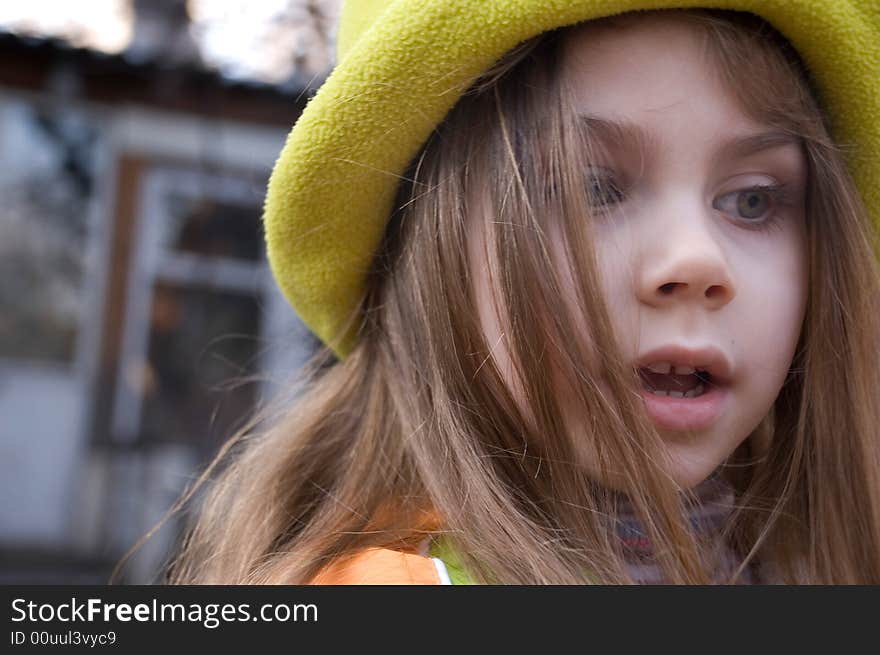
(668,287)
(715,291)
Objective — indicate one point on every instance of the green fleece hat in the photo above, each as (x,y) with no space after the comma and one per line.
(403,64)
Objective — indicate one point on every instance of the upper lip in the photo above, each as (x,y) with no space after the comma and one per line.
(707,358)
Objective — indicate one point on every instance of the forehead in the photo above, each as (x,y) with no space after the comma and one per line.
(645,68)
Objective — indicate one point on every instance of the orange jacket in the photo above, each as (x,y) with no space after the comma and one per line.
(383,566)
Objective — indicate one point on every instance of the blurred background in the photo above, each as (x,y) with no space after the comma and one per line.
(139,323)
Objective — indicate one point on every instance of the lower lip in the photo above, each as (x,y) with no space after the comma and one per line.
(685,413)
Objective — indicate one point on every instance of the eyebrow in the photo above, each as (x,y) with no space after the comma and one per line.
(613,131)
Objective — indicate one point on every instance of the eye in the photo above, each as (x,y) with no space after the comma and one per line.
(602,188)
(752,203)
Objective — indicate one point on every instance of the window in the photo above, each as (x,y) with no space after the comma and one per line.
(196,311)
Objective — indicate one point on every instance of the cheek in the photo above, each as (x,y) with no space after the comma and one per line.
(769,318)
(777,287)
(609,271)
(616,272)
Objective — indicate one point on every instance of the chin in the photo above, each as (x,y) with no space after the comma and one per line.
(689,469)
(689,478)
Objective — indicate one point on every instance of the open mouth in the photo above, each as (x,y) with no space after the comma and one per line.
(676,386)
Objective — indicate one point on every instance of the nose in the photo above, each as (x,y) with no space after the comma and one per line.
(685,263)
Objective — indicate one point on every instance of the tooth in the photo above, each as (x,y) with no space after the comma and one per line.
(660,367)
(676,394)
(693,393)
(684,370)
(660,393)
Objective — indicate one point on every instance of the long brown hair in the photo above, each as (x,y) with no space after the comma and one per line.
(416,432)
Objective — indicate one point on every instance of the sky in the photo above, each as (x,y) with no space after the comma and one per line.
(259,39)
(99,24)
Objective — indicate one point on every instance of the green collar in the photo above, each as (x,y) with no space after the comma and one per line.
(442,549)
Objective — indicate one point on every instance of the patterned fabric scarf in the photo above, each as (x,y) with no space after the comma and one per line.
(715,502)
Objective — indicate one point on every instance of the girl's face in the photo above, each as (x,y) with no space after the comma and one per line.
(692,252)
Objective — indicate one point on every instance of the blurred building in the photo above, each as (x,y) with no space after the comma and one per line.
(139,323)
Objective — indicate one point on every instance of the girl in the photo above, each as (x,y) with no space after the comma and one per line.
(616,321)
